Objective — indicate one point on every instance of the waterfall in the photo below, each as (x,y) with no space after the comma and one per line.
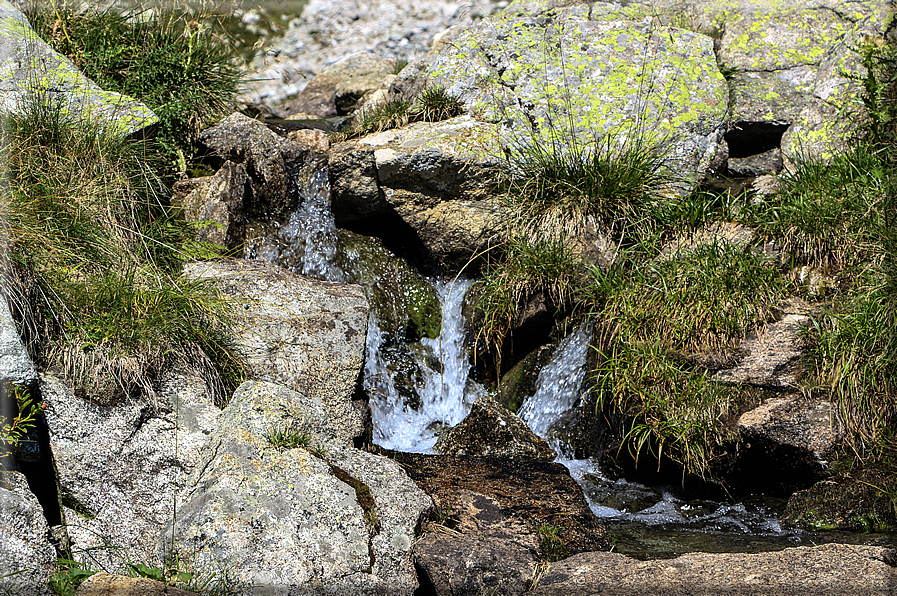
(307,242)
(445,391)
(559,385)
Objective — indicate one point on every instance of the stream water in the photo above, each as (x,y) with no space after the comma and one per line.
(646,521)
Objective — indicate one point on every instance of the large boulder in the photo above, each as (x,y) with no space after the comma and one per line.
(565,76)
(787,443)
(490,430)
(436,176)
(26,555)
(219,200)
(821,570)
(306,335)
(338,87)
(282,505)
(121,468)
(30,70)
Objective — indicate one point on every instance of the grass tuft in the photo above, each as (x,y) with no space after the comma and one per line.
(95,252)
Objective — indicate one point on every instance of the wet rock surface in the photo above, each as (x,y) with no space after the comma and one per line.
(822,570)
(490,430)
(851,500)
(532,493)
(477,548)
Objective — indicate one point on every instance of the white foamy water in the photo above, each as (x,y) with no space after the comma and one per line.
(307,242)
(559,385)
(445,391)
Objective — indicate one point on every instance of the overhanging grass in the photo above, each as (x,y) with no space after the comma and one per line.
(177,62)
(95,252)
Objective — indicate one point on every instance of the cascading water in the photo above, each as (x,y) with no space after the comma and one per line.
(559,385)
(445,391)
(307,243)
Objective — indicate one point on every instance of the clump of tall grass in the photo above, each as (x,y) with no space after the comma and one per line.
(178,62)
(433,104)
(94,252)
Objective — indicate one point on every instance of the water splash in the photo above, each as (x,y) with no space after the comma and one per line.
(559,385)
(307,243)
(445,391)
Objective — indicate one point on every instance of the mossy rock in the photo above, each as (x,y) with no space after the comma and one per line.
(405,305)
(856,500)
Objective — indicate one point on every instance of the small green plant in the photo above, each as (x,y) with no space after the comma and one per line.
(434,104)
(24,421)
(550,544)
(430,105)
(69,574)
(289,437)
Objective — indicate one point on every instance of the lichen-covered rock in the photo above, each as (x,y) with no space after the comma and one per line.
(821,570)
(490,430)
(121,468)
(30,70)
(339,86)
(26,555)
(289,521)
(271,161)
(304,334)
(564,76)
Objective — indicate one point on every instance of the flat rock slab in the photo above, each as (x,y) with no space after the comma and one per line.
(772,356)
(531,492)
(31,70)
(106,584)
(829,570)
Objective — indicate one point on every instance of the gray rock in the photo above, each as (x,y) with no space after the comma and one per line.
(329,30)
(270,161)
(16,366)
(26,555)
(789,440)
(355,191)
(306,335)
(830,569)
(768,162)
(484,552)
(30,70)
(285,520)
(121,468)
(437,177)
(219,199)
(490,430)
(339,86)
